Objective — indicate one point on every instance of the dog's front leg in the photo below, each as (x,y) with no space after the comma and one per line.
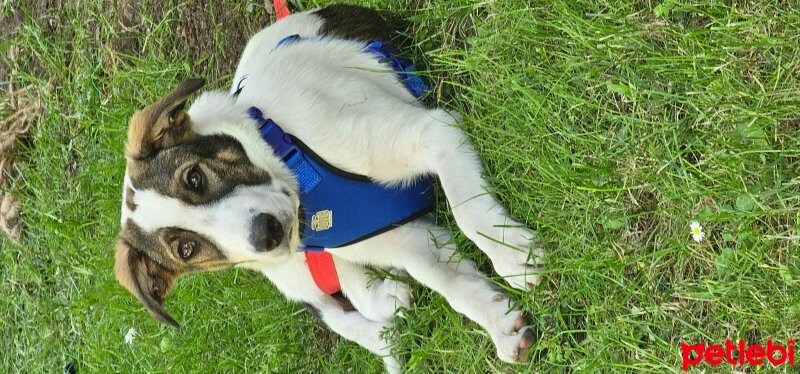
(355,327)
(427,253)
(513,248)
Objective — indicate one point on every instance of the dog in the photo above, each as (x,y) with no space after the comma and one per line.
(203,191)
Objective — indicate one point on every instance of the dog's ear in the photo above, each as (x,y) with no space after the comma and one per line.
(161,124)
(146,279)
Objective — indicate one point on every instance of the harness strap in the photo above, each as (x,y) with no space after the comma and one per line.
(281,9)
(403,66)
(320,263)
(323,271)
(307,177)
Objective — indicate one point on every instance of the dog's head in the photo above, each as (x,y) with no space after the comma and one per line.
(195,202)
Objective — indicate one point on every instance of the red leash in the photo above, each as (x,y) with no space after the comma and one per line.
(281,9)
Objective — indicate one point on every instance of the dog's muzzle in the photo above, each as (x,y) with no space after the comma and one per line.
(266,232)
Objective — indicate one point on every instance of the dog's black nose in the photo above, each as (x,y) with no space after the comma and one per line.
(266,232)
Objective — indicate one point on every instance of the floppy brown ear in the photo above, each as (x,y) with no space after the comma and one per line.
(146,279)
(161,124)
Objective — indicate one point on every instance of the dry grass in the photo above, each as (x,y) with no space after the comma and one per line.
(24,108)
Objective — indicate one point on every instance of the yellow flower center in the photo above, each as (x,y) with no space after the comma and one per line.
(696,231)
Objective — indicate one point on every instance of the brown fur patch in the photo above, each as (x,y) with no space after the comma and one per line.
(129,193)
(137,133)
(146,279)
(122,267)
(161,124)
(229,155)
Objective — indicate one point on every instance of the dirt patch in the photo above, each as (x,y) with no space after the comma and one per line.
(129,26)
(10,21)
(202,25)
(46,14)
(211,35)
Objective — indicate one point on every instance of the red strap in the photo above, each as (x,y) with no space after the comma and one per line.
(320,263)
(281,9)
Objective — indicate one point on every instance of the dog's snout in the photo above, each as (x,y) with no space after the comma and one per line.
(266,233)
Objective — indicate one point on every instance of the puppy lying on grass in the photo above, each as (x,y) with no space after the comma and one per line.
(317,165)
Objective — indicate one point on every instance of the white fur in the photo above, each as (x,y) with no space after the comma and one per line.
(351,109)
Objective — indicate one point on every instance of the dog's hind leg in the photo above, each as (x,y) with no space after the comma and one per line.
(293,279)
(427,253)
(355,327)
(514,250)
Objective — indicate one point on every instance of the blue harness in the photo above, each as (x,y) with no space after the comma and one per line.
(342,208)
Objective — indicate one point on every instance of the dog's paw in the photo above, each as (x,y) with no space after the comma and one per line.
(392,364)
(390,296)
(397,290)
(515,342)
(517,256)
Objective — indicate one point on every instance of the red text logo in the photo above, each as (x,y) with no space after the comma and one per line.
(715,354)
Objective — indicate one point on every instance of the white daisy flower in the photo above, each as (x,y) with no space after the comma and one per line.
(131,336)
(697,231)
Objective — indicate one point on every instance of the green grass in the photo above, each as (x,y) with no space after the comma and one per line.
(607,126)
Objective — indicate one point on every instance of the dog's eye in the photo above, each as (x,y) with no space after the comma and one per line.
(186,248)
(196,180)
